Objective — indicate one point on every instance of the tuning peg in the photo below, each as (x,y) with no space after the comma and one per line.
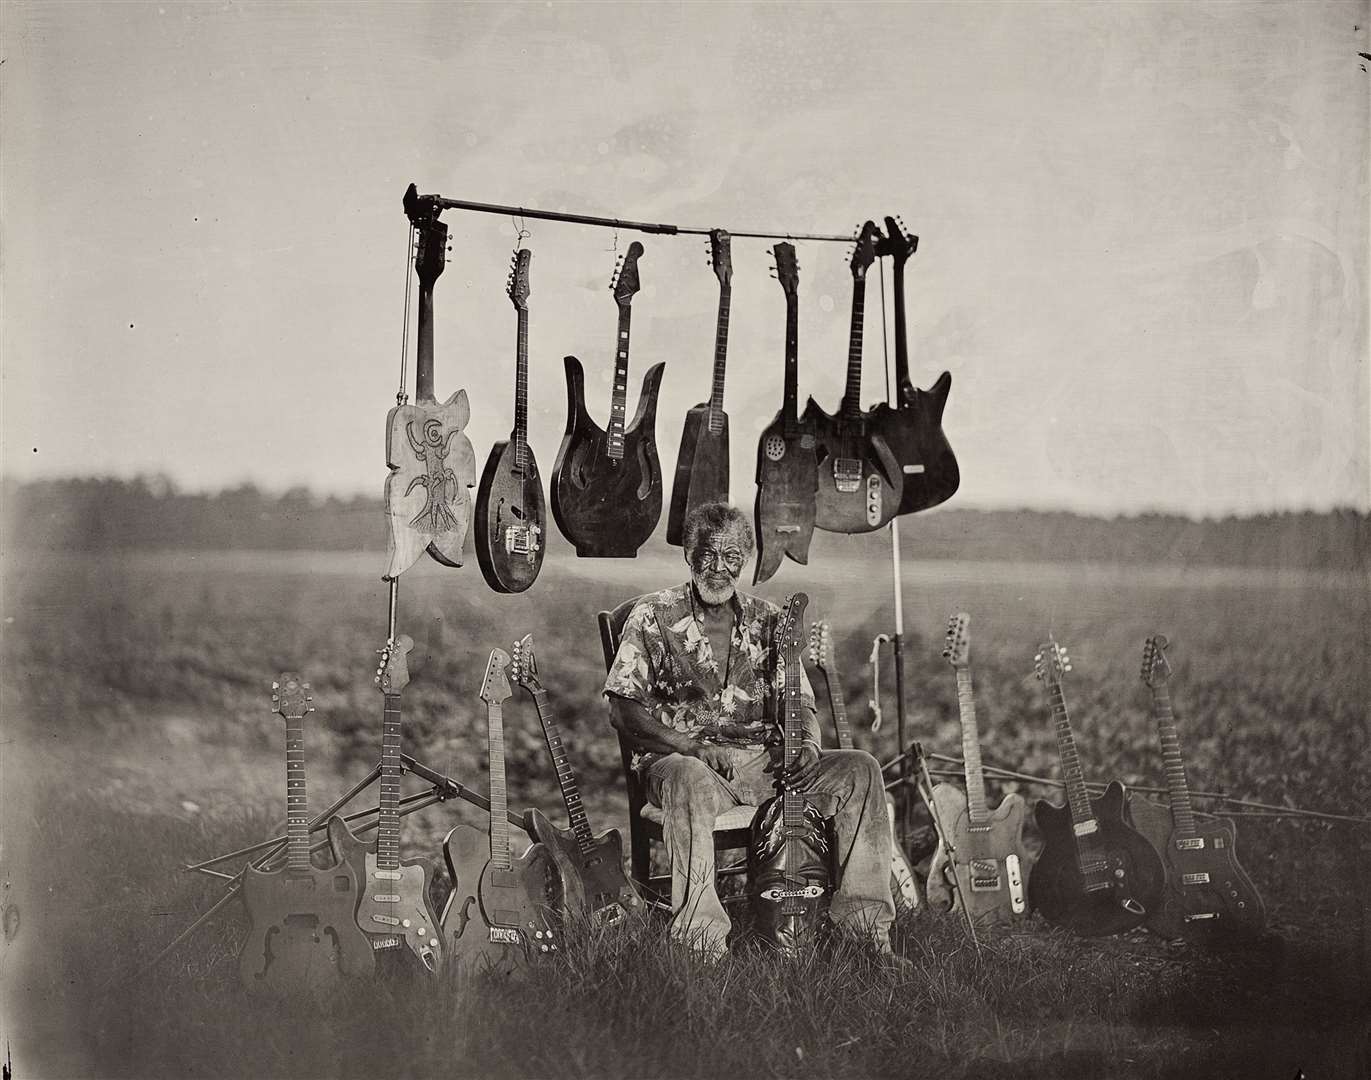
(275,685)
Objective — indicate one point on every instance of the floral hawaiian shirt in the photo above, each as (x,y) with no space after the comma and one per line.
(666,664)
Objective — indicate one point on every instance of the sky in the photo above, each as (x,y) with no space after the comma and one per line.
(1143,231)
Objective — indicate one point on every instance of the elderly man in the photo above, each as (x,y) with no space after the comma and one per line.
(691,688)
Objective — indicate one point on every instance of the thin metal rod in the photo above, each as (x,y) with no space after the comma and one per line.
(444,203)
(390,617)
(451,787)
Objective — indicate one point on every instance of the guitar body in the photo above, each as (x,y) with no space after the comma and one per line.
(858,482)
(304,934)
(595,883)
(511,519)
(497,919)
(393,911)
(1208,896)
(1125,884)
(784,510)
(914,435)
(805,888)
(991,866)
(606,507)
(428,506)
(701,469)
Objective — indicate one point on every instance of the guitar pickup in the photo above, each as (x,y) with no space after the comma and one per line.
(847,475)
(386,920)
(386,875)
(1195,879)
(1201,916)
(786,529)
(1085,828)
(913,470)
(1190,843)
(985,875)
(387,898)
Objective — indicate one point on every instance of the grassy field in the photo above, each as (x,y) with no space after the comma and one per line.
(138,737)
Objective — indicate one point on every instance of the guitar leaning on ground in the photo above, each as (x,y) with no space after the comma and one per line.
(592,866)
(395,911)
(903,887)
(607,484)
(502,908)
(702,464)
(1208,897)
(1096,874)
(990,864)
(511,517)
(786,462)
(304,934)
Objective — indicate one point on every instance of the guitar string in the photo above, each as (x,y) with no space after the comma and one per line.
(400,395)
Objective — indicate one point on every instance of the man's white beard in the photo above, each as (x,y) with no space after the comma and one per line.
(714,595)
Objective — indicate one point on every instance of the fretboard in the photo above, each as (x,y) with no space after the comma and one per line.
(971,749)
(852,397)
(499,800)
(521,393)
(901,347)
(839,707)
(792,802)
(388,820)
(716,396)
(1076,795)
(790,406)
(618,402)
(1182,813)
(297,805)
(566,776)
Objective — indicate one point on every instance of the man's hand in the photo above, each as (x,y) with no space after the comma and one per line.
(716,757)
(806,764)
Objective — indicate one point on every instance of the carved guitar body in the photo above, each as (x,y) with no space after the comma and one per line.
(701,469)
(992,867)
(596,885)
(914,435)
(858,482)
(511,519)
(790,875)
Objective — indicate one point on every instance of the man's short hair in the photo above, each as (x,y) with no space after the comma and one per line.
(712,518)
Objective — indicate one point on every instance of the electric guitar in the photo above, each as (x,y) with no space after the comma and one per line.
(903,887)
(502,909)
(786,462)
(912,424)
(394,911)
(1208,897)
(510,513)
(428,504)
(859,482)
(702,464)
(607,484)
(989,861)
(593,866)
(791,850)
(303,935)
(1096,874)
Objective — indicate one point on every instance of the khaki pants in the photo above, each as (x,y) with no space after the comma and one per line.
(848,786)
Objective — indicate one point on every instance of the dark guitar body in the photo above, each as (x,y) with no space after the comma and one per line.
(875,498)
(596,886)
(1208,897)
(701,469)
(914,434)
(991,867)
(784,510)
(497,919)
(1124,890)
(607,508)
(785,921)
(510,497)
(304,934)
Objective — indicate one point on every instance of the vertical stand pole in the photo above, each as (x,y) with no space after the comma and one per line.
(897,644)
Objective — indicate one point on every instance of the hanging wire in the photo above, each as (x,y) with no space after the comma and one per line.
(521,230)
(401,397)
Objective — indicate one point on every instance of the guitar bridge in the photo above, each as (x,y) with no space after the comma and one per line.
(847,474)
(985,875)
(1192,843)
(379,943)
(503,935)
(522,540)
(1195,879)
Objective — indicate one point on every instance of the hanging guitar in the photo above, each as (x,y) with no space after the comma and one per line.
(859,481)
(988,867)
(702,464)
(510,513)
(791,850)
(786,462)
(607,484)
(592,866)
(1208,897)
(912,424)
(903,887)
(502,909)
(395,911)
(1096,874)
(428,504)
(304,935)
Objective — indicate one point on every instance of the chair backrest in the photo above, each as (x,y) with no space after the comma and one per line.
(611,630)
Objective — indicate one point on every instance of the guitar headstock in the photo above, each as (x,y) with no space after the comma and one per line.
(787,268)
(721,255)
(524,667)
(290,697)
(957,647)
(821,645)
(864,254)
(625,282)
(790,626)
(392,669)
(495,684)
(1050,663)
(431,253)
(898,242)
(1156,669)
(517,286)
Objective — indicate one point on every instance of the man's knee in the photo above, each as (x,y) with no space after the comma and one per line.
(858,766)
(684,781)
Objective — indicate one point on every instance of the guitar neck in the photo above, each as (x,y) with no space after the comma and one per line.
(716,395)
(901,347)
(521,393)
(1182,812)
(297,804)
(618,402)
(792,802)
(388,820)
(852,396)
(566,776)
(971,750)
(499,800)
(839,707)
(1077,797)
(427,265)
(790,406)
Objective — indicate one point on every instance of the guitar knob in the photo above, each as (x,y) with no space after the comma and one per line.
(1118,872)
(404,923)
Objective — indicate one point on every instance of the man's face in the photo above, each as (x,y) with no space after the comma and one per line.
(715,563)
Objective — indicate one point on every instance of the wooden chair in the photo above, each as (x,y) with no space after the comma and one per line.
(732,828)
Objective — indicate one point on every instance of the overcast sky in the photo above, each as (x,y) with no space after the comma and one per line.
(1143,228)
